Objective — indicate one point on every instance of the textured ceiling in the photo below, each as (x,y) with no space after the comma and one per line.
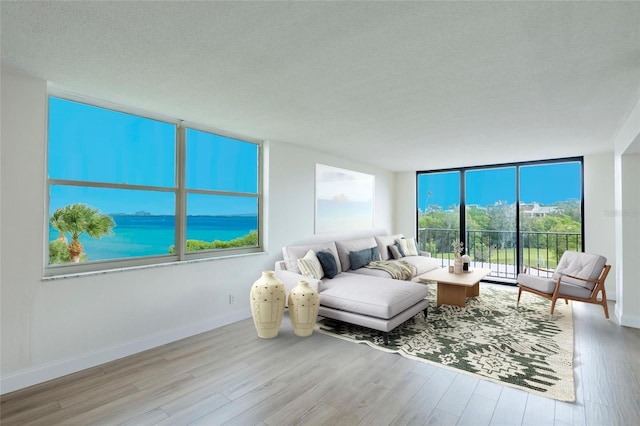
(401,85)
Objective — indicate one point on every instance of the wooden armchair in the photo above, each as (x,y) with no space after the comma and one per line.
(578,276)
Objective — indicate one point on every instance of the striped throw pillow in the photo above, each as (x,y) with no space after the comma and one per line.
(408,246)
(310,265)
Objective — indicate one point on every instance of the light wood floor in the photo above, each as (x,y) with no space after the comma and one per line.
(231,376)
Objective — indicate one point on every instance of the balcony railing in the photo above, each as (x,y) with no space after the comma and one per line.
(496,250)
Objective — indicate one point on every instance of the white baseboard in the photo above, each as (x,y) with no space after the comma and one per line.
(630,321)
(52,370)
(627,320)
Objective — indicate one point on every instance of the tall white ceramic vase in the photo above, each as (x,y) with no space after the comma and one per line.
(267,304)
(303,308)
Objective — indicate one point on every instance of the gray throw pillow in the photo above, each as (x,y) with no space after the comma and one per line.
(375,254)
(395,252)
(360,258)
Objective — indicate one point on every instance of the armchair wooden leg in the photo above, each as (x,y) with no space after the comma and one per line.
(553,305)
(566,301)
(519,294)
(604,302)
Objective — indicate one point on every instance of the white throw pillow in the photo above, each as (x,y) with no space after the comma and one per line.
(310,265)
(408,246)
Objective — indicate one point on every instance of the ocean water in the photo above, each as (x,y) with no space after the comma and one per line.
(136,236)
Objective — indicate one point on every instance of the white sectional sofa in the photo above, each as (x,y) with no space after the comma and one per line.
(363,296)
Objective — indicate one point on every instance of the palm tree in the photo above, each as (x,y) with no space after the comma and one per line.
(76,219)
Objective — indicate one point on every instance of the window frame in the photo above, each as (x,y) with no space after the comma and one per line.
(517,165)
(178,189)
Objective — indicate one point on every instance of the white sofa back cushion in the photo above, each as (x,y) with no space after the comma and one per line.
(291,254)
(384,241)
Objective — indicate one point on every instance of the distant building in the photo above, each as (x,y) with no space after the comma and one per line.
(536,210)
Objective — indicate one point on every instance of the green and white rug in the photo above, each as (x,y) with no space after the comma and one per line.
(523,348)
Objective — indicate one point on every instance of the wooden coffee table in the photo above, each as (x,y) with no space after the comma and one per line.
(453,289)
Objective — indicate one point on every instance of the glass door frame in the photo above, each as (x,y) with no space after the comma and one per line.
(463,204)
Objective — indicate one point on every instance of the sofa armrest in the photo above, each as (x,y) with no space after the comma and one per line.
(425,253)
(290,279)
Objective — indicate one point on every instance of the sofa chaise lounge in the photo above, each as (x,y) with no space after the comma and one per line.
(358,294)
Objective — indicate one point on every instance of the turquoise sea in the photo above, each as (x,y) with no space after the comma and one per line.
(136,236)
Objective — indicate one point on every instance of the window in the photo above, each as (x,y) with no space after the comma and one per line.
(222,192)
(136,190)
(508,216)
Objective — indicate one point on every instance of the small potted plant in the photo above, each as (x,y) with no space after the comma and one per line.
(458,249)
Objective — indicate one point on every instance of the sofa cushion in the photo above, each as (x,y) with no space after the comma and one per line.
(422,264)
(347,246)
(548,285)
(376,297)
(371,272)
(395,251)
(408,246)
(363,257)
(328,262)
(360,258)
(291,254)
(375,254)
(582,265)
(383,242)
(310,265)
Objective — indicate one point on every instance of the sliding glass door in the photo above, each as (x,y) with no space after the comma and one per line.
(508,216)
(550,212)
(490,219)
(439,213)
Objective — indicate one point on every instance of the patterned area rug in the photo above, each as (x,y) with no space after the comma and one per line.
(490,338)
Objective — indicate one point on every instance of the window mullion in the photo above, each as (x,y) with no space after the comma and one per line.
(181,196)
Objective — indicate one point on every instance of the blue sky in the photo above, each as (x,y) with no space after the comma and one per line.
(87,143)
(93,144)
(544,184)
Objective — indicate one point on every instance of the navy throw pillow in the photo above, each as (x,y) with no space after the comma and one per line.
(400,249)
(360,258)
(328,263)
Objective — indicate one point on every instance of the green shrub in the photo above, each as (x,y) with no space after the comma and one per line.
(249,240)
(58,253)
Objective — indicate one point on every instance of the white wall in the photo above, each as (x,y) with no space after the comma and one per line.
(405,204)
(599,218)
(292,192)
(627,219)
(55,327)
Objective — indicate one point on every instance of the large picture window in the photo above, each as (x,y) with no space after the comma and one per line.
(126,190)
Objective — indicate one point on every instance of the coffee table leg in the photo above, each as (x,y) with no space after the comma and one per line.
(473,291)
(451,295)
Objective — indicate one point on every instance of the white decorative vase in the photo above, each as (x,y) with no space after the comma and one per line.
(267,304)
(303,308)
(457,265)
